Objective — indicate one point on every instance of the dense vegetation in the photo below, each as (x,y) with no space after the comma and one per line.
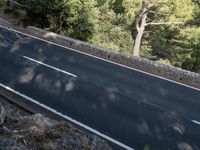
(171,32)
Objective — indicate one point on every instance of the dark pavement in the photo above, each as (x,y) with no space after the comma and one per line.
(129,106)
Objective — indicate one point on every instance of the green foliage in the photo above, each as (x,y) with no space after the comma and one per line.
(110,33)
(110,24)
(74,18)
(80,19)
(173,44)
(196,13)
(35,7)
(117,6)
(131,7)
(192,62)
(37,11)
(1,3)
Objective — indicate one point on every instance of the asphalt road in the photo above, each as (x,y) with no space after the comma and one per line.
(129,106)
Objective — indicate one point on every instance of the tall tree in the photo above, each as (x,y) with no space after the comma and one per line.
(152,13)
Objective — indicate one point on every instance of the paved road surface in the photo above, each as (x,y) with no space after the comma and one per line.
(129,106)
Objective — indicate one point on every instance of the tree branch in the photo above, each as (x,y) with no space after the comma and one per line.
(18,4)
(166,23)
(141,13)
(137,26)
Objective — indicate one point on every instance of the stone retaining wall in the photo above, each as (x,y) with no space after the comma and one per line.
(170,72)
(5,23)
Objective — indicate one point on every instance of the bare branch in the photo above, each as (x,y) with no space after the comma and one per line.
(166,23)
(137,26)
(148,20)
(141,13)
(18,4)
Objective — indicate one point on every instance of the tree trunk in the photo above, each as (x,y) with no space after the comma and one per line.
(137,44)
(140,32)
(141,23)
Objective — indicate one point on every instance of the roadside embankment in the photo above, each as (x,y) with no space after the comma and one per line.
(21,130)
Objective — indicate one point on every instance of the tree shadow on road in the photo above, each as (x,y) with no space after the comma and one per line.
(133,117)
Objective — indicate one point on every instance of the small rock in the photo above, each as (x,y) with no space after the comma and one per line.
(36,124)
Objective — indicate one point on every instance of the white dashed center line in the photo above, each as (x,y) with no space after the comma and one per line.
(49,66)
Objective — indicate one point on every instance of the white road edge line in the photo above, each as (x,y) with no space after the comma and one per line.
(49,66)
(68,118)
(196,122)
(112,62)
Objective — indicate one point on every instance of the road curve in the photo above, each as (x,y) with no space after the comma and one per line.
(131,107)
